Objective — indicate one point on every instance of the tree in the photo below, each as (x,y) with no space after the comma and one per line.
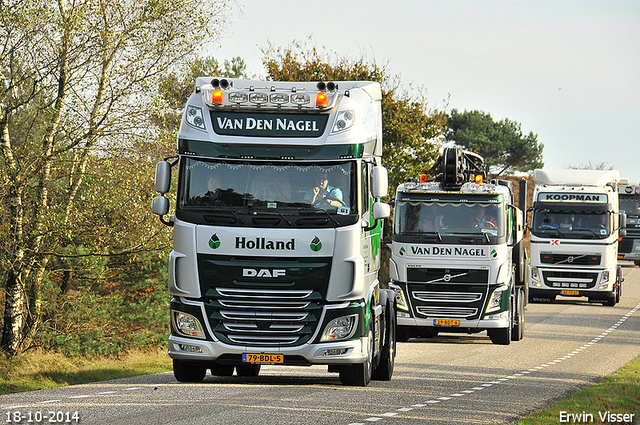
(599,166)
(504,148)
(411,132)
(79,83)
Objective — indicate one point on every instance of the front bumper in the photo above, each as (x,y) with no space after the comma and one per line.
(352,351)
(498,320)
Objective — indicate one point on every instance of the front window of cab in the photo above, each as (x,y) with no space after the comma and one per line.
(267,194)
(441,218)
(571,224)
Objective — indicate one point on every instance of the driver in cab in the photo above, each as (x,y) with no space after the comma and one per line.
(323,193)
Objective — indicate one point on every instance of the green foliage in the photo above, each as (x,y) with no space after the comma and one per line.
(110,320)
(411,132)
(504,148)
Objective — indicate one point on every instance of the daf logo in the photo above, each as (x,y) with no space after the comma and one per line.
(570,259)
(263,273)
(447,277)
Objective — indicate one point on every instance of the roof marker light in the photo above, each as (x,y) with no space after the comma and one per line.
(321,99)
(217,97)
(478,179)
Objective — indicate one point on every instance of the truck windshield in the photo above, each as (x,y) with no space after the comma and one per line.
(414,218)
(267,188)
(630,205)
(566,225)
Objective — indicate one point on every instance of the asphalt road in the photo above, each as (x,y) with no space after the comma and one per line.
(451,379)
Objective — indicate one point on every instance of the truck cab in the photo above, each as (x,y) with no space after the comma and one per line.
(277,230)
(458,258)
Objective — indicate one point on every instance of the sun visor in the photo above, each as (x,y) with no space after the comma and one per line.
(572,207)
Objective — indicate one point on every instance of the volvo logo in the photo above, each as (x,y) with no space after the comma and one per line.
(263,273)
(447,277)
(570,259)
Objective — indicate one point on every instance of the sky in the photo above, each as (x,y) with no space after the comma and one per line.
(568,71)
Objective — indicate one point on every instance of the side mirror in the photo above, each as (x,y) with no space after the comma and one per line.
(381,211)
(379,182)
(160,205)
(623,220)
(163,177)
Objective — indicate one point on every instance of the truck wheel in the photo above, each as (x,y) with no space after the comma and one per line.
(359,375)
(502,336)
(185,371)
(517,333)
(248,370)
(520,262)
(384,371)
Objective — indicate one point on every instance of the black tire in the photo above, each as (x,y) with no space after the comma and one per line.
(520,262)
(517,332)
(384,371)
(502,336)
(220,370)
(186,371)
(359,375)
(248,370)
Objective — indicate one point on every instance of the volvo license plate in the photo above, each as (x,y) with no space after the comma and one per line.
(446,322)
(569,292)
(261,358)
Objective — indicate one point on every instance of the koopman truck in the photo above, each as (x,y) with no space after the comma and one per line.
(629,197)
(277,230)
(458,260)
(574,236)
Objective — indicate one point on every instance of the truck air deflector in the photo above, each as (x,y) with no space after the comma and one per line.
(255,150)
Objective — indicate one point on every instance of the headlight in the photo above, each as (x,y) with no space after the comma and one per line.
(535,274)
(401,301)
(496,299)
(187,325)
(344,121)
(341,328)
(195,118)
(605,277)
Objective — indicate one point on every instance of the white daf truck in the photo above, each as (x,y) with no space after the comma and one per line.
(629,197)
(458,259)
(277,230)
(574,236)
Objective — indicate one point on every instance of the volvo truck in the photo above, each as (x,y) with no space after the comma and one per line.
(575,227)
(458,258)
(277,230)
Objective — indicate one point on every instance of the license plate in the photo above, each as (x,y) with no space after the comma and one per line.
(446,322)
(568,292)
(262,358)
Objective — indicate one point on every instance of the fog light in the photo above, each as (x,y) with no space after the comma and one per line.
(190,348)
(333,352)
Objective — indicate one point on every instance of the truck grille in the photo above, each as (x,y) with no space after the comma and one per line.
(447,293)
(447,312)
(571,259)
(273,310)
(263,317)
(569,279)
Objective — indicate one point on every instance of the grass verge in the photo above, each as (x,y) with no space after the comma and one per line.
(35,371)
(617,394)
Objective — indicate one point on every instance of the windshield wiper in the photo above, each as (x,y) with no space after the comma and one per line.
(474,235)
